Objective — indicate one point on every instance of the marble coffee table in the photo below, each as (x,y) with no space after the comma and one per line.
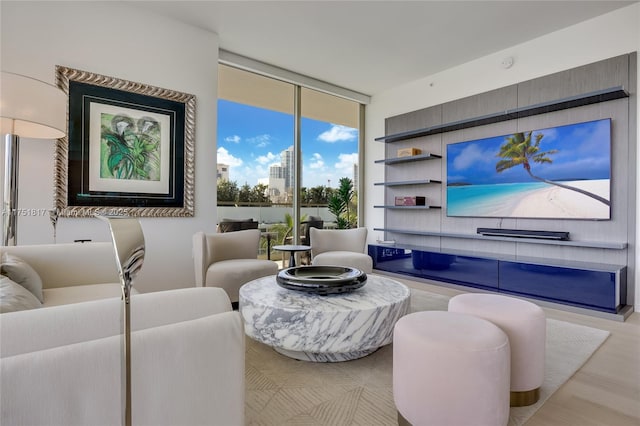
(331,328)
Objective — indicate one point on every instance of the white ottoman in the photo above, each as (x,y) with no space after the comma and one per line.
(450,369)
(525,325)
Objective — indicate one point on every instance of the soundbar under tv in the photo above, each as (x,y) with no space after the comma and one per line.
(524,233)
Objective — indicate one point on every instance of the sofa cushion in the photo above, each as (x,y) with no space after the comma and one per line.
(19,271)
(81,293)
(14,297)
(232,274)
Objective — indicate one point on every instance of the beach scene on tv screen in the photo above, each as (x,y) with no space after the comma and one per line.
(561,172)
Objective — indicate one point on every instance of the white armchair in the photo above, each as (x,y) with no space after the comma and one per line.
(229,260)
(341,247)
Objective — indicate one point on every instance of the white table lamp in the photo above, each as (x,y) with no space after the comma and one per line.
(29,108)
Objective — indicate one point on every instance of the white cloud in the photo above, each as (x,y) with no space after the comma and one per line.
(224,157)
(234,139)
(251,174)
(316,162)
(469,156)
(260,141)
(338,133)
(268,158)
(345,163)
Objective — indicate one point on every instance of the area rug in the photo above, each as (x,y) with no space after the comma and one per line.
(283,391)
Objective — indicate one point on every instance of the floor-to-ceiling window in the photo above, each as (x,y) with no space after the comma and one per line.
(283,151)
(329,144)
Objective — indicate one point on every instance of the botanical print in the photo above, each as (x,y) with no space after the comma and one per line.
(129,148)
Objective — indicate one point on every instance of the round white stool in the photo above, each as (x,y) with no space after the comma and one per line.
(450,369)
(525,325)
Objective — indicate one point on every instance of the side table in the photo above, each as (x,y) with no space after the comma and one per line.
(292,248)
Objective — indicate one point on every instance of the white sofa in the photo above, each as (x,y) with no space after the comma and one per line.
(72,272)
(62,365)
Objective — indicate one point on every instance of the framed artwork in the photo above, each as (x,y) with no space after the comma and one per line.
(129,148)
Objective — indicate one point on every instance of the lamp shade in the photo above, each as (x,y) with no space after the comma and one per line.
(31,108)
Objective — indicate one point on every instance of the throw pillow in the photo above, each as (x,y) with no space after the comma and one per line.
(19,271)
(14,297)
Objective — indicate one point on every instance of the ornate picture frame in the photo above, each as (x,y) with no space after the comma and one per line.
(129,148)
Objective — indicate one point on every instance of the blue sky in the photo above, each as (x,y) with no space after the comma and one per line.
(250,139)
(584,152)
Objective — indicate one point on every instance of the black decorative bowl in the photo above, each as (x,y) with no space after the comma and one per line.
(321,280)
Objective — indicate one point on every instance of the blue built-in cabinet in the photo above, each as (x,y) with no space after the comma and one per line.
(585,285)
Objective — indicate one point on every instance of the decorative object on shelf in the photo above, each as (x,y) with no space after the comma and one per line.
(130,148)
(408,152)
(29,108)
(410,201)
(53,217)
(129,247)
(321,280)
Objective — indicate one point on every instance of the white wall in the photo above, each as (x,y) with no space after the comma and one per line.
(124,42)
(609,35)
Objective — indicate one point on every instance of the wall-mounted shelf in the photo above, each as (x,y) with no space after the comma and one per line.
(421,157)
(392,207)
(542,108)
(588,244)
(408,182)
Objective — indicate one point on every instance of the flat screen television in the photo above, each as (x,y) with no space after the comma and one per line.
(561,172)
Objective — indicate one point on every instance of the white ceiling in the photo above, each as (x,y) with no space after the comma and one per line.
(371,46)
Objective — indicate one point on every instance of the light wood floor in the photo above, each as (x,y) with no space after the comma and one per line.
(606,390)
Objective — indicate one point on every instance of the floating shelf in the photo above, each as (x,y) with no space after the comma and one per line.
(588,244)
(407,182)
(407,207)
(542,108)
(421,157)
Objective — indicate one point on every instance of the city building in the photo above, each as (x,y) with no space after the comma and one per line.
(222,171)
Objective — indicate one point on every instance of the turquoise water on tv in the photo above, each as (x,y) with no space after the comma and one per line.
(486,200)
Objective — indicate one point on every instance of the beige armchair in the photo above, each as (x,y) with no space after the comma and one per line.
(341,247)
(229,260)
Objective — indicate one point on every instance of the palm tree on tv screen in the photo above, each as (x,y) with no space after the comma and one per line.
(518,150)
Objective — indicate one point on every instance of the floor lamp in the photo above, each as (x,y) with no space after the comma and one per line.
(129,247)
(29,108)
